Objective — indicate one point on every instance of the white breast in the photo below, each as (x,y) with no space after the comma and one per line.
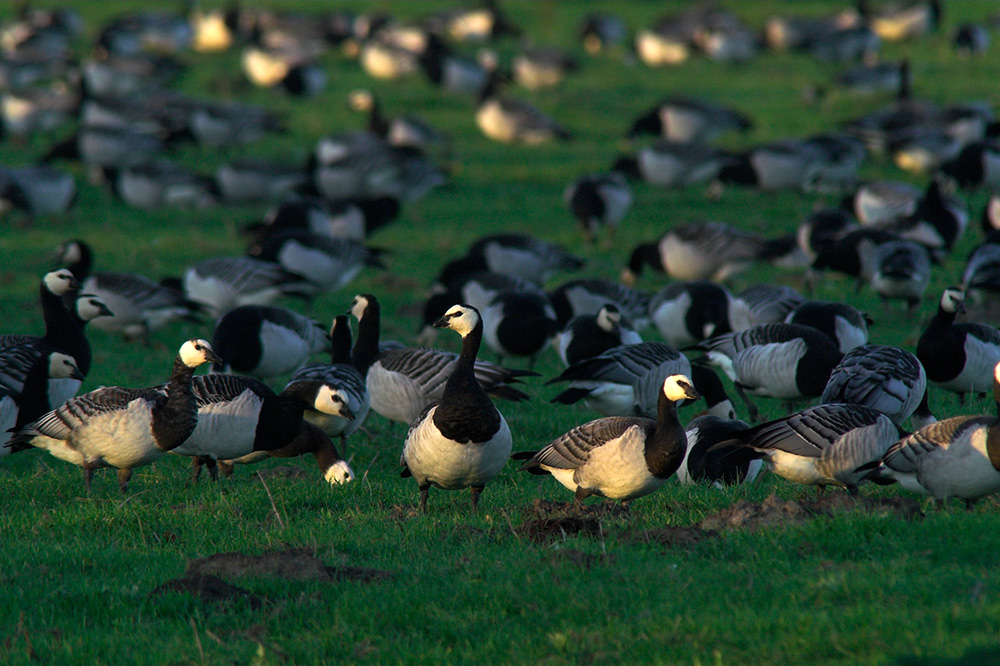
(446,464)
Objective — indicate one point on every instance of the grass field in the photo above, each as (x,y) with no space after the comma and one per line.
(888,580)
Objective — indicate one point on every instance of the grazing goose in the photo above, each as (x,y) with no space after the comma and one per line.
(588,296)
(688,312)
(976,166)
(958,356)
(720,468)
(598,200)
(826,162)
(588,335)
(402,382)
(25,391)
(456,74)
(708,384)
(619,457)
(784,361)
(956,457)
(870,79)
(702,251)
(624,380)
(159,184)
(121,427)
(672,164)
(341,374)
(982,270)
(896,23)
(902,270)
(220,284)
(138,305)
(520,324)
(310,439)
(407,130)
(518,255)
(540,67)
(970,39)
(240,416)
(687,120)
(253,180)
(820,446)
(852,253)
(510,120)
(38,190)
(884,378)
(461,441)
(822,227)
(881,201)
(326,264)
(266,341)
(937,221)
(763,304)
(349,218)
(600,31)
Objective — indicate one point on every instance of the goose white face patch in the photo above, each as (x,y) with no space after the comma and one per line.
(59,282)
(330,400)
(61,366)
(462,319)
(358,306)
(90,307)
(194,352)
(951,298)
(678,387)
(608,319)
(339,473)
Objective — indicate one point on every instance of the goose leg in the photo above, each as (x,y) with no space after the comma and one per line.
(751,408)
(424,489)
(88,474)
(123,478)
(227,467)
(476,492)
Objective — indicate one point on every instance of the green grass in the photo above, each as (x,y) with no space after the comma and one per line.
(77,571)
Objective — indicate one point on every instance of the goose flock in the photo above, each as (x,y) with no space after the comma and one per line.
(651,312)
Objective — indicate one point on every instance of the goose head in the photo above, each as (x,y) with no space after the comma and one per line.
(339,473)
(361,100)
(195,351)
(61,281)
(679,387)
(332,400)
(63,366)
(609,318)
(360,305)
(90,307)
(460,318)
(953,300)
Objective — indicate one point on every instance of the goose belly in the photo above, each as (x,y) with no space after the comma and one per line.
(609,399)
(394,395)
(962,470)
(977,374)
(770,369)
(435,459)
(618,470)
(122,438)
(225,430)
(282,351)
(799,469)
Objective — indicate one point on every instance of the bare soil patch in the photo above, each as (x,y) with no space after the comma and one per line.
(775,511)
(209,588)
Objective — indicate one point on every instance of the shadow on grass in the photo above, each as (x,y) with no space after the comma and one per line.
(973,657)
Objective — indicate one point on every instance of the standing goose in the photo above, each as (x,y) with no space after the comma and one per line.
(884,378)
(139,305)
(822,445)
(402,382)
(619,457)
(784,361)
(956,457)
(958,357)
(588,335)
(461,441)
(624,380)
(598,200)
(240,416)
(266,341)
(519,323)
(341,374)
(122,427)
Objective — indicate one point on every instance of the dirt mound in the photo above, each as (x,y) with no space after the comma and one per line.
(294,564)
(545,520)
(208,588)
(777,511)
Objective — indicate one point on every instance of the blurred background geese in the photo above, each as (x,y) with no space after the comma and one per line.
(121,427)
(598,200)
(139,306)
(518,255)
(265,341)
(619,457)
(461,441)
(509,120)
(220,284)
(689,120)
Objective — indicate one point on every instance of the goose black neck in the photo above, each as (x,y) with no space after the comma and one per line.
(81,267)
(176,417)
(645,254)
(369,329)
(340,340)
(666,411)
(463,378)
(63,330)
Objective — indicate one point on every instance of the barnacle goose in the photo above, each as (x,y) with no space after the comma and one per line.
(139,306)
(624,380)
(601,31)
(877,202)
(958,356)
(619,457)
(687,312)
(588,335)
(784,361)
(844,323)
(461,441)
(702,251)
(408,130)
(519,323)
(251,180)
(826,162)
(687,120)
(822,445)
(763,304)
(266,341)
(598,200)
(518,255)
(122,427)
(895,23)
(38,189)
(702,465)
(902,270)
(672,164)
(325,264)
(885,378)
(982,270)
(538,67)
(25,392)
(402,382)
(938,220)
(346,218)
(588,296)
(976,166)
(239,416)
(509,120)
(956,457)
(341,374)
(220,284)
